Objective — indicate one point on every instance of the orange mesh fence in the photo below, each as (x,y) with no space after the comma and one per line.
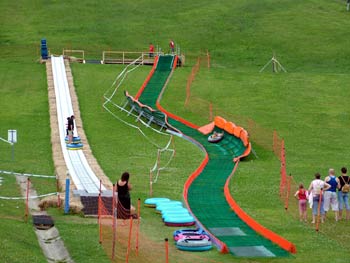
(208,59)
(124,240)
(191,78)
(148,250)
(277,146)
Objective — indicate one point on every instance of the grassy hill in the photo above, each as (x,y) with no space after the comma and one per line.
(307,105)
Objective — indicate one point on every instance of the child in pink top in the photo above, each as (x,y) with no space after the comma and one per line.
(301,195)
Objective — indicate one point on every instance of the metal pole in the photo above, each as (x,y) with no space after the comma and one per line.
(66,205)
(13,152)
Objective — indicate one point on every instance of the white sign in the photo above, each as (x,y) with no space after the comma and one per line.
(12,136)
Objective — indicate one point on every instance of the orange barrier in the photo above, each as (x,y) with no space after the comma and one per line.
(206,129)
(244,137)
(230,128)
(245,153)
(148,78)
(280,241)
(175,62)
(220,122)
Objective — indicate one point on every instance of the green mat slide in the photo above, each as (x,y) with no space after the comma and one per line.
(205,195)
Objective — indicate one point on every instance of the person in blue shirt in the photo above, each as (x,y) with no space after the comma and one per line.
(330,195)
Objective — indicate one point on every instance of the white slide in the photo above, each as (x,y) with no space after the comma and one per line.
(80,171)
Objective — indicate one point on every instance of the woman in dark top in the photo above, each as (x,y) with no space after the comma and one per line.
(123,189)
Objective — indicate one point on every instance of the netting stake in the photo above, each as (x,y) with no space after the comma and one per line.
(99,218)
(129,241)
(288,192)
(138,226)
(166,250)
(58,200)
(114,222)
(150,183)
(210,111)
(208,58)
(27,200)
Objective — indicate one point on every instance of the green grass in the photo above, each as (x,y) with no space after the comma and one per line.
(307,106)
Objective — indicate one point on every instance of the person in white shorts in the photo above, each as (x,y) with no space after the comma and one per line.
(330,195)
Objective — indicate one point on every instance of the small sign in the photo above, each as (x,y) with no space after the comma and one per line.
(12,136)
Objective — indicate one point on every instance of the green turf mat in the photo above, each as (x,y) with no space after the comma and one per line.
(205,195)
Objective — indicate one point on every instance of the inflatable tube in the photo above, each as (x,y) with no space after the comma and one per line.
(189,244)
(165,209)
(76,139)
(215,137)
(152,202)
(179,221)
(193,236)
(168,205)
(190,231)
(74,146)
(178,214)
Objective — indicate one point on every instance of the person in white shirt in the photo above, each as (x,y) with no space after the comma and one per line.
(316,188)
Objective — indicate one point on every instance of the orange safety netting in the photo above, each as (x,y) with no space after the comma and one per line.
(125,240)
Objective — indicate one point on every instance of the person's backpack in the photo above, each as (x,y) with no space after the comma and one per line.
(346,186)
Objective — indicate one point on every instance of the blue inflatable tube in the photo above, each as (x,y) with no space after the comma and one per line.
(197,244)
(74,146)
(178,214)
(179,221)
(152,202)
(163,209)
(189,231)
(76,139)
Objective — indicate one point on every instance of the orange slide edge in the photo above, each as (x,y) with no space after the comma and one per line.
(267,233)
(137,96)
